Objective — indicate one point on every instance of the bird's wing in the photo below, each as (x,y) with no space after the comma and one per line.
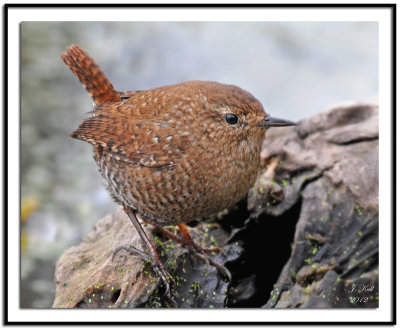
(147,142)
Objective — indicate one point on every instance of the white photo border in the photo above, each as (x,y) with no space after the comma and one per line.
(15,14)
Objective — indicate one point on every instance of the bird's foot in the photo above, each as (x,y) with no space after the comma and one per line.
(157,265)
(200,252)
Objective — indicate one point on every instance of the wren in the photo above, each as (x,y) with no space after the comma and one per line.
(172,154)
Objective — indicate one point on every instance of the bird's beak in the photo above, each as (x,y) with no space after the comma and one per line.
(274,122)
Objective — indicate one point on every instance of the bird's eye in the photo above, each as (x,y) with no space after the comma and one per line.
(231,119)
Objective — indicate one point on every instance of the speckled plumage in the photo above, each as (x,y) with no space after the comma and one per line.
(168,152)
(172,154)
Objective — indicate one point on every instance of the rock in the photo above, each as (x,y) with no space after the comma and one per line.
(86,276)
(329,163)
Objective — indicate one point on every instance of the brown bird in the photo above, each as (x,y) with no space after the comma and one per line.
(172,154)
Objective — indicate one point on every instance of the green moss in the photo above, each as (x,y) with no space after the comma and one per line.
(284,182)
(158,241)
(221,214)
(307,261)
(358,209)
(195,286)
(213,241)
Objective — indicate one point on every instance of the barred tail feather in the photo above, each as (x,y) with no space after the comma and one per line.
(90,75)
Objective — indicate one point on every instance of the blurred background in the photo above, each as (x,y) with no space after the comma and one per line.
(295,69)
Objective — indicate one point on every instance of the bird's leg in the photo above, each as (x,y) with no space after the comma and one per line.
(200,252)
(153,256)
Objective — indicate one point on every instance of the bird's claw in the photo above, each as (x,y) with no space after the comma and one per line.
(206,259)
(159,269)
